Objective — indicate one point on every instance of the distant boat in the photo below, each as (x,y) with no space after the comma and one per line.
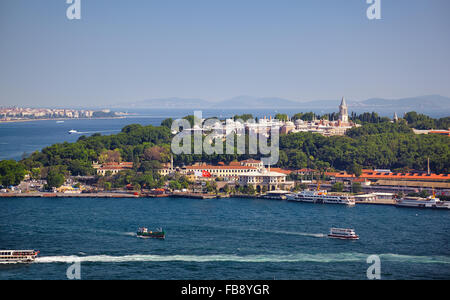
(72,131)
(322,197)
(343,233)
(59,121)
(430,202)
(18,256)
(145,233)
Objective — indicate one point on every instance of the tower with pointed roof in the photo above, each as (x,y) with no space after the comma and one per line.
(343,111)
(395,118)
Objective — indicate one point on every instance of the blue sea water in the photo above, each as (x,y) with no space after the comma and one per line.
(221,239)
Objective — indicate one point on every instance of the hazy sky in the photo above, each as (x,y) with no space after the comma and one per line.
(126,51)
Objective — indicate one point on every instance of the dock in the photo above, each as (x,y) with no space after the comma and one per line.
(377,202)
(68,195)
(194,195)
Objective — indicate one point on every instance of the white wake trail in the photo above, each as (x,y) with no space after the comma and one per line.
(292,258)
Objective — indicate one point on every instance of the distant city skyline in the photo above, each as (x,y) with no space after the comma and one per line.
(123,52)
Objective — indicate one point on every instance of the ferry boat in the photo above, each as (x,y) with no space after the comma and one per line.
(321,197)
(17,256)
(275,195)
(430,202)
(306,196)
(145,233)
(343,233)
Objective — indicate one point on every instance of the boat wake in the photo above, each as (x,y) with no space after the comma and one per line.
(317,235)
(100,131)
(292,258)
(109,232)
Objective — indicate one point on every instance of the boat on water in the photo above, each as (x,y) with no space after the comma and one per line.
(17,256)
(343,233)
(321,196)
(143,232)
(275,195)
(430,202)
(72,131)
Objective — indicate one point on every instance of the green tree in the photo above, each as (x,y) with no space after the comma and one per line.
(107,186)
(54,179)
(354,169)
(251,190)
(11,172)
(175,185)
(167,123)
(337,187)
(226,189)
(282,117)
(356,187)
(35,173)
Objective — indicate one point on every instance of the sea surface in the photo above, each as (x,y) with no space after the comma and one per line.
(221,239)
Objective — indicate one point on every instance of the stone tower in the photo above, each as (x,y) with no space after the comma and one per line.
(395,118)
(343,111)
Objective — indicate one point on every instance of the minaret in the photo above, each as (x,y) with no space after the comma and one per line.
(395,118)
(343,111)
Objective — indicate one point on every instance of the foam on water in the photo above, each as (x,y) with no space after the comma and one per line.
(109,232)
(299,257)
(317,235)
(100,131)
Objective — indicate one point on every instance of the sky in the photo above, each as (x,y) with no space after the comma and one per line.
(127,51)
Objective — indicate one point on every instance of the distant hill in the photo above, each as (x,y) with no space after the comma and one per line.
(248,102)
(167,103)
(432,105)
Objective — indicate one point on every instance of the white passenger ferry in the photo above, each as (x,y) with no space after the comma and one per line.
(343,233)
(17,256)
(430,202)
(321,197)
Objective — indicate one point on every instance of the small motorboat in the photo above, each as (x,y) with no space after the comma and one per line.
(145,233)
(72,131)
(343,233)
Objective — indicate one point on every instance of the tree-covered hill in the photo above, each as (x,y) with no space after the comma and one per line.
(381,145)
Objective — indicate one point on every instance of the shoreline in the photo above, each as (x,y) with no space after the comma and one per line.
(59,119)
(125,194)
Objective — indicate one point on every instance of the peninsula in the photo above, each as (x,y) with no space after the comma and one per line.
(21,114)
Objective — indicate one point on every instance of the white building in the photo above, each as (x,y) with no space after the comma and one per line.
(263,177)
(343,111)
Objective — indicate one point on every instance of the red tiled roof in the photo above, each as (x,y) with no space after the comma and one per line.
(384,175)
(113,168)
(219,167)
(124,164)
(282,171)
(306,170)
(440,131)
(251,161)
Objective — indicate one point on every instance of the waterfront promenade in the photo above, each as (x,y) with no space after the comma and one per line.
(125,194)
(68,195)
